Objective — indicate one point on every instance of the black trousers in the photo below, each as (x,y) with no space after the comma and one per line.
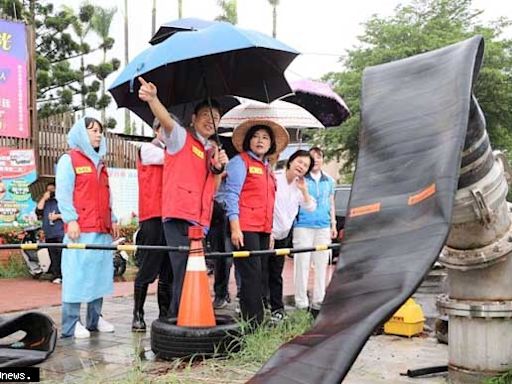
(55,257)
(152,264)
(218,241)
(251,277)
(176,234)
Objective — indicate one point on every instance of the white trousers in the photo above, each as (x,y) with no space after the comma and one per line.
(309,237)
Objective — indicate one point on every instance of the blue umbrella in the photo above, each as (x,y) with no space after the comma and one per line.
(215,60)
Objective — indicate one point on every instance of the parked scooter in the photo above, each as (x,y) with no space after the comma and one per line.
(38,261)
(120,258)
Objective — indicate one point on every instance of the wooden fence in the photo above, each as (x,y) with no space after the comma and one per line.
(53,143)
(49,142)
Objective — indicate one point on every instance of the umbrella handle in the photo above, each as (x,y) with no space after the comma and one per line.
(132,80)
(217,139)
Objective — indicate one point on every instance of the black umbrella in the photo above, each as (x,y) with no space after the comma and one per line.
(188,24)
(183,112)
(320,100)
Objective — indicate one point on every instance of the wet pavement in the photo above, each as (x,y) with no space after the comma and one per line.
(107,357)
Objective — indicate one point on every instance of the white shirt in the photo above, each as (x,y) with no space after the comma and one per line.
(151,154)
(175,141)
(288,200)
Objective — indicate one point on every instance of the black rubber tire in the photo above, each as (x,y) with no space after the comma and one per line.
(168,341)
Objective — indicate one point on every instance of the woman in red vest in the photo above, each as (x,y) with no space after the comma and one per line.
(84,200)
(248,193)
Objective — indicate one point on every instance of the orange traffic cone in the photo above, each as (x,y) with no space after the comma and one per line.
(196,308)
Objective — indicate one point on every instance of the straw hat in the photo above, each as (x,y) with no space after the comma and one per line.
(280,133)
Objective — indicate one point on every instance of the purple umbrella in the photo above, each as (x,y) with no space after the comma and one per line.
(320,100)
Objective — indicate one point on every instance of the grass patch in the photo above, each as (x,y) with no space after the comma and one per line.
(506,378)
(260,345)
(232,369)
(15,267)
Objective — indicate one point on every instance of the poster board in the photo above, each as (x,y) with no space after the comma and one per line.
(17,172)
(125,193)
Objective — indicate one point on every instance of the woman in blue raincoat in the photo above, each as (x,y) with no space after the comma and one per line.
(84,200)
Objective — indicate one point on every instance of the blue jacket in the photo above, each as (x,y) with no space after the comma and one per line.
(229,191)
(322,191)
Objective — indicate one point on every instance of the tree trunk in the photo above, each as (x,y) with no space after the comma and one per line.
(127,124)
(153,19)
(32,8)
(82,84)
(180,9)
(103,110)
(274,21)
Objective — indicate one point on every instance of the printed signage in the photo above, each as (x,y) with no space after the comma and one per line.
(17,172)
(13,80)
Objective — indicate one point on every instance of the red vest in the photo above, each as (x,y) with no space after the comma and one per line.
(91,195)
(150,189)
(188,184)
(257,196)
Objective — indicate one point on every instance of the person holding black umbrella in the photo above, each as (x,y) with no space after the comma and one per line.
(191,165)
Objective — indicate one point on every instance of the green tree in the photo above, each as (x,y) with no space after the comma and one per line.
(229,11)
(60,36)
(81,26)
(100,23)
(422,26)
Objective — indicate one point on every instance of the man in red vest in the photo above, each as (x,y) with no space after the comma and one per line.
(192,164)
(150,165)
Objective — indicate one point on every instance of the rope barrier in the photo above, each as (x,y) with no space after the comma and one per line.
(134,248)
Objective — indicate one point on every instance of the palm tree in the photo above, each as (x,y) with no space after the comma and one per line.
(274,4)
(100,23)
(180,9)
(229,11)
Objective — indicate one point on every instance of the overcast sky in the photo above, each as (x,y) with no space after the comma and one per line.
(321,30)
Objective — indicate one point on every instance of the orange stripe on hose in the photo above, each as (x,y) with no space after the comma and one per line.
(422,195)
(364,210)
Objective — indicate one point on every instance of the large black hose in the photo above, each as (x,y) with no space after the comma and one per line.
(415,114)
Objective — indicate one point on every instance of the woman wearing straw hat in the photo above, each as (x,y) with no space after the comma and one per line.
(249,193)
